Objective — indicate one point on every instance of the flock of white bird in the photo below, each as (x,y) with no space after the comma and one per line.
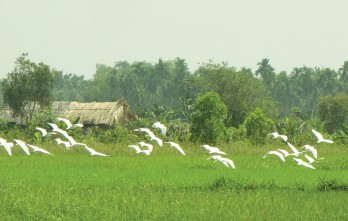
(68,143)
(305,151)
(146,148)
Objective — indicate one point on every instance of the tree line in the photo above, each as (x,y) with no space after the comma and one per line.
(168,89)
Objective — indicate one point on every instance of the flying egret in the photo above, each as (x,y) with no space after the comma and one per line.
(172,144)
(38,149)
(68,123)
(138,150)
(274,152)
(43,131)
(65,143)
(276,135)
(23,146)
(295,153)
(320,138)
(312,150)
(66,135)
(149,146)
(158,140)
(285,153)
(93,152)
(227,162)
(7,146)
(311,160)
(302,163)
(161,127)
(213,150)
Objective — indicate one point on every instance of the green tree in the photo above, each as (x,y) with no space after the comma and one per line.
(239,90)
(266,71)
(258,126)
(333,111)
(343,72)
(28,87)
(207,119)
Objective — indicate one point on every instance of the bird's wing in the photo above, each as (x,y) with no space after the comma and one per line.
(158,140)
(313,151)
(180,149)
(284,152)
(274,134)
(307,165)
(42,130)
(328,141)
(38,149)
(78,125)
(310,159)
(23,146)
(7,147)
(90,150)
(93,152)
(229,162)
(281,156)
(135,147)
(317,134)
(294,150)
(284,137)
(66,121)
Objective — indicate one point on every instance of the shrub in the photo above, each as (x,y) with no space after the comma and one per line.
(207,119)
(257,126)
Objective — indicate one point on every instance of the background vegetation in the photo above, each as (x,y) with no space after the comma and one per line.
(166,91)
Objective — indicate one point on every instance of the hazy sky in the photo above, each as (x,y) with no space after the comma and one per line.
(75,35)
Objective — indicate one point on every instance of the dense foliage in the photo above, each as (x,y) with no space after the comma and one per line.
(27,87)
(207,119)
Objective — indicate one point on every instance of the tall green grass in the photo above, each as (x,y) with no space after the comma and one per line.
(167,186)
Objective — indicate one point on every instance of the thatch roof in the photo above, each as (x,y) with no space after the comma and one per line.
(94,113)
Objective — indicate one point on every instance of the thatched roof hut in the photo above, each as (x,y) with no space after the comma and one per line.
(104,114)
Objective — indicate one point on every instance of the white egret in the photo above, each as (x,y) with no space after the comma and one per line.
(68,123)
(23,146)
(66,135)
(276,135)
(320,137)
(149,146)
(146,130)
(172,144)
(285,153)
(7,146)
(311,160)
(92,152)
(302,163)
(227,162)
(295,153)
(65,143)
(161,127)
(43,131)
(138,150)
(38,149)
(213,150)
(158,140)
(312,150)
(274,152)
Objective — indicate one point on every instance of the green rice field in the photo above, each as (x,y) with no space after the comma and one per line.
(71,185)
